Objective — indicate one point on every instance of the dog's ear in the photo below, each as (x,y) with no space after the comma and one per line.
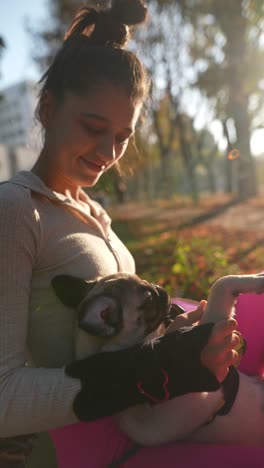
(71,290)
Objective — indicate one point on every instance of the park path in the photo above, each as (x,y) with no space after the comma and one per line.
(248,215)
(216,211)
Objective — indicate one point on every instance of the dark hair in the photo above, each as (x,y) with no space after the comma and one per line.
(94,52)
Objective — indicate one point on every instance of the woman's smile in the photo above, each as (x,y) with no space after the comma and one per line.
(95,166)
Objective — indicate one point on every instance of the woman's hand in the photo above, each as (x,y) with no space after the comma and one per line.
(219,353)
(188,318)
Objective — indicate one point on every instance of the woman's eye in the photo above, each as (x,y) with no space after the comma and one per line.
(93,130)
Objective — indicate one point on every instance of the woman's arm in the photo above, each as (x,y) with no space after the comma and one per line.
(30,399)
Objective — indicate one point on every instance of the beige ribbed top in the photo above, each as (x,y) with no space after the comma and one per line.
(42,234)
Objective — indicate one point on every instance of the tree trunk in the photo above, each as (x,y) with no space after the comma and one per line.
(188,161)
(235,29)
(211,179)
(167,175)
(228,166)
(246,182)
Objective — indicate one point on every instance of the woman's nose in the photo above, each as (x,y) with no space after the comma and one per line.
(106,148)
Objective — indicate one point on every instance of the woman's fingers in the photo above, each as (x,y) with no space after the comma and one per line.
(223,354)
(220,366)
(188,318)
(219,353)
(196,314)
(231,341)
(231,359)
(223,329)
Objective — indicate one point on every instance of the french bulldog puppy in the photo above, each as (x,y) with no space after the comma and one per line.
(121,310)
(116,311)
(113,313)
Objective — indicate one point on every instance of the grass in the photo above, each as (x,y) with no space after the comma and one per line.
(185,247)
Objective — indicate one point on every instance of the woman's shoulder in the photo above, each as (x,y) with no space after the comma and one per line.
(18,213)
(14,197)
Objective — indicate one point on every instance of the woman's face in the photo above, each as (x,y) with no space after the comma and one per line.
(86,135)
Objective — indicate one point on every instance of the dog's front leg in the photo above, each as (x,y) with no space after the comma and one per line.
(224,292)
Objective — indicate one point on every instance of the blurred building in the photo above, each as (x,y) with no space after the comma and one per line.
(20,133)
(5,166)
(17,123)
(15,159)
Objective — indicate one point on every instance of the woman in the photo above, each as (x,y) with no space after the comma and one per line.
(90,102)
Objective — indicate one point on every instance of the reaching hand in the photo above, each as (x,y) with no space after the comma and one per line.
(219,353)
(188,318)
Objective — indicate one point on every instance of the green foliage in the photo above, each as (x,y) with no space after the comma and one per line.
(185,264)
(198,265)
(187,261)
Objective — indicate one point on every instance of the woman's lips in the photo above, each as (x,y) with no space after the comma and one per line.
(93,165)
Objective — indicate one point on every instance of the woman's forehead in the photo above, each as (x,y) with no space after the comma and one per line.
(107,103)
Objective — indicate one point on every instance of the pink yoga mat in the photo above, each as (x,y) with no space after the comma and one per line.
(96,445)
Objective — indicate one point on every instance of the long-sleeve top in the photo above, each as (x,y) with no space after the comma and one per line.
(43,234)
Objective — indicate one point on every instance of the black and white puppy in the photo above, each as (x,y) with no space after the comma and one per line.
(120,310)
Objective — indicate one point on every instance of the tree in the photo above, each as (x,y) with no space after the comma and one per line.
(164,51)
(208,155)
(2,45)
(165,54)
(226,48)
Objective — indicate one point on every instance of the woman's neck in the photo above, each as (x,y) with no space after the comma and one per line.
(57,181)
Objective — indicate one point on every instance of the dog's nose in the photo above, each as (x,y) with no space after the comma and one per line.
(105,313)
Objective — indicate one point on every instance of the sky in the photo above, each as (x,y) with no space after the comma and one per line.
(17,64)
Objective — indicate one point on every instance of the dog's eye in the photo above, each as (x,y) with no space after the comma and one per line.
(148,308)
(147,303)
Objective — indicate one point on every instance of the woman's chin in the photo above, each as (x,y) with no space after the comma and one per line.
(89,180)
(86,178)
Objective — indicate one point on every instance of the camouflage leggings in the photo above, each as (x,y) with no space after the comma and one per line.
(14,451)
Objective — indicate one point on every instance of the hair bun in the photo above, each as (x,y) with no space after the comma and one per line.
(85,18)
(108,26)
(129,12)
